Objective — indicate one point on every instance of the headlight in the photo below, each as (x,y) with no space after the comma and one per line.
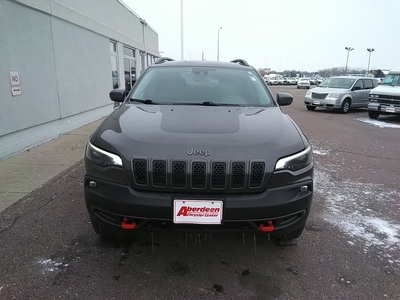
(101,157)
(334,95)
(308,94)
(295,162)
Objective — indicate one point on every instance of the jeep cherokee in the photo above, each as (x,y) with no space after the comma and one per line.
(199,146)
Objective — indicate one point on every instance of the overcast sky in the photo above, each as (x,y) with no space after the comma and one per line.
(306,35)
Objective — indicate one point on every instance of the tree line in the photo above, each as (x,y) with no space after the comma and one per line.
(337,71)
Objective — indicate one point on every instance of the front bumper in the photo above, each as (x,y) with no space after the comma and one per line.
(325,103)
(384,108)
(111,205)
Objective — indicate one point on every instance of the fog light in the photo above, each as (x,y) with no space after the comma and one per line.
(92,183)
(304,188)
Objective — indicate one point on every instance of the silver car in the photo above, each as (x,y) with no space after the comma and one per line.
(340,92)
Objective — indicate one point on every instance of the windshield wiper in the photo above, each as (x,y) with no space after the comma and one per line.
(209,103)
(147,101)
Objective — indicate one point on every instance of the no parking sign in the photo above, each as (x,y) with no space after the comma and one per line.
(15,83)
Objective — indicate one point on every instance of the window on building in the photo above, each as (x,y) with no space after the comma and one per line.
(129,67)
(114,64)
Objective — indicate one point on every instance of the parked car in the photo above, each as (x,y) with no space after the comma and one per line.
(385,98)
(319,80)
(282,81)
(291,81)
(303,83)
(195,147)
(272,81)
(340,92)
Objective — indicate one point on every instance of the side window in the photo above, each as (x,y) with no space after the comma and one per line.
(367,84)
(359,85)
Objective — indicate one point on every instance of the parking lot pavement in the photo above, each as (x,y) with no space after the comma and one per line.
(29,170)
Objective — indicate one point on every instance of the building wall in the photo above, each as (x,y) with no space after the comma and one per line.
(61,50)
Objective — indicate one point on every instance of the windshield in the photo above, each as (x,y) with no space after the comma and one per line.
(341,83)
(393,80)
(201,86)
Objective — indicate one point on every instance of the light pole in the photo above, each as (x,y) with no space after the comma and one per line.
(218,44)
(347,61)
(369,59)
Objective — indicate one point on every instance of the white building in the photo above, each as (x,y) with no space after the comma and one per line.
(59,59)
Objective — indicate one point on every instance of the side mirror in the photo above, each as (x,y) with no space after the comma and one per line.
(357,88)
(117,95)
(284,98)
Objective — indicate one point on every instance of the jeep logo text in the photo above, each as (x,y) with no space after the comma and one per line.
(195,152)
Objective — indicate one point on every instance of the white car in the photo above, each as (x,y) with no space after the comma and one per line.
(303,83)
(272,81)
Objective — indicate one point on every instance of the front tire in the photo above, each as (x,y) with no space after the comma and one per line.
(373,114)
(288,236)
(309,107)
(345,106)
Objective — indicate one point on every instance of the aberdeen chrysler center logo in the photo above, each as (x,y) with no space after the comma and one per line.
(195,152)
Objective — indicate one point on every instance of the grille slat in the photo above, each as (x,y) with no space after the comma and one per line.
(199,175)
(139,168)
(218,175)
(160,173)
(238,175)
(178,174)
(163,174)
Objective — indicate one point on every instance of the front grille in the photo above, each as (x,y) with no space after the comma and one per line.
(319,95)
(387,99)
(169,175)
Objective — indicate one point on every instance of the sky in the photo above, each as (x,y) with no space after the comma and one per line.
(304,35)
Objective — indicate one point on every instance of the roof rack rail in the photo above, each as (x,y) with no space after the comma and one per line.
(163,60)
(240,62)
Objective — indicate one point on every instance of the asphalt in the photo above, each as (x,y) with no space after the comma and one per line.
(25,172)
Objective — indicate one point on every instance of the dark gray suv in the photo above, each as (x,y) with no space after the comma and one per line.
(199,146)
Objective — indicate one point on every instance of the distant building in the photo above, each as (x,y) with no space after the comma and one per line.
(59,61)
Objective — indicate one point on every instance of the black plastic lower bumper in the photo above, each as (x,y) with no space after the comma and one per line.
(276,210)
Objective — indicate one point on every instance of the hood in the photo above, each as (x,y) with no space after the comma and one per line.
(389,90)
(208,132)
(325,90)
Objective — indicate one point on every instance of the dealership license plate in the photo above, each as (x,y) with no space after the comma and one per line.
(316,102)
(390,109)
(198,211)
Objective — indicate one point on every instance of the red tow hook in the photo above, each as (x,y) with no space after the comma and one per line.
(126,225)
(267,228)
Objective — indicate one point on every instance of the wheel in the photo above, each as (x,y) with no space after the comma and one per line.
(288,236)
(373,114)
(108,233)
(298,87)
(100,230)
(345,106)
(309,107)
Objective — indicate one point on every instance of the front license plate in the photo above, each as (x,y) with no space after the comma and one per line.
(198,211)
(390,109)
(316,102)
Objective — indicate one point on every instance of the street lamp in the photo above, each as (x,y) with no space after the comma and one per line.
(369,59)
(218,44)
(347,61)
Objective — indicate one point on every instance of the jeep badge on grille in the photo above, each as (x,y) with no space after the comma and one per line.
(195,152)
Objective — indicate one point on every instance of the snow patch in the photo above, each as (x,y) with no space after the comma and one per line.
(352,207)
(380,124)
(50,265)
(320,152)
